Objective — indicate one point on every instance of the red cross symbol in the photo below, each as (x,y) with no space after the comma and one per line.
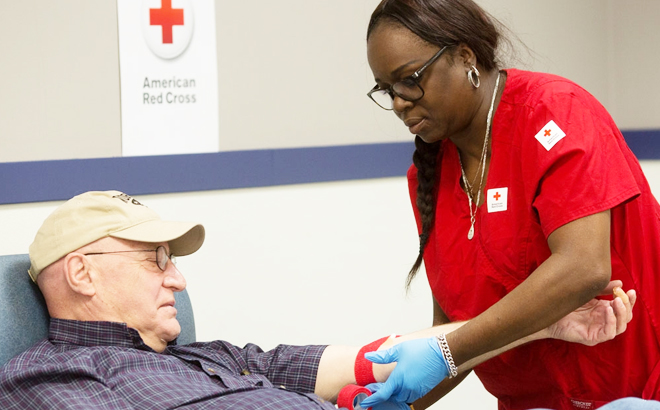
(497,196)
(166,17)
(546,134)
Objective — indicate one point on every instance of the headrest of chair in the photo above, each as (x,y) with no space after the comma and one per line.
(23,314)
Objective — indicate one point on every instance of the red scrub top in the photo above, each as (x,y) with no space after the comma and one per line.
(556,156)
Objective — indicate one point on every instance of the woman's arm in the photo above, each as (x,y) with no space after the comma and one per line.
(336,368)
(421,365)
(337,363)
(577,270)
(447,385)
(595,322)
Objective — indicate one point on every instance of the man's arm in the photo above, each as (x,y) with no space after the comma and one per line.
(595,322)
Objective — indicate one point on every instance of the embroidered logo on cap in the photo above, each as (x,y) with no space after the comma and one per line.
(549,135)
(127,199)
(496,199)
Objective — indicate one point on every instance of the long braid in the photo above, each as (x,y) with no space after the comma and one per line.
(424,158)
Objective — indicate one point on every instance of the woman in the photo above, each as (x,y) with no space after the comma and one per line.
(528,201)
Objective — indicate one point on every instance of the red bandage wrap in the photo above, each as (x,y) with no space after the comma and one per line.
(364,369)
(351,396)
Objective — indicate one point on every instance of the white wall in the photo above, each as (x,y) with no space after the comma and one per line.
(325,263)
(292,73)
(564,37)
(633,39)
(606,46)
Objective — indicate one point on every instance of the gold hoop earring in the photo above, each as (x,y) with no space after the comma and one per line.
(471,77)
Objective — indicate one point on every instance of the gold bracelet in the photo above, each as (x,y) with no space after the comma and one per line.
(411,407)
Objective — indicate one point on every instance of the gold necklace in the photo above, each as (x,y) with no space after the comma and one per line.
(482,165)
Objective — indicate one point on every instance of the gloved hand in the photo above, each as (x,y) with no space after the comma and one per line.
(420,367)
(386,405)
(390,405)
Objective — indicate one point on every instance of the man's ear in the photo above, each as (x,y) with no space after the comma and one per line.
(77,271)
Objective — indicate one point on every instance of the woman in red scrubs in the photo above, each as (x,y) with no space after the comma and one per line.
(528,202)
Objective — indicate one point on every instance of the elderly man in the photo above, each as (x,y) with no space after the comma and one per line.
(103,262)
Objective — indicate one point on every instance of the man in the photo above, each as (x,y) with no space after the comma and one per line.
(103,262)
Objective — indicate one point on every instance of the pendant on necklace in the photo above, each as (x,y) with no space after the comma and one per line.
(471,232)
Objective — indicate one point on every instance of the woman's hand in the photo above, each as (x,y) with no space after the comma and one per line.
(596,321)
(420,367)
(390,405)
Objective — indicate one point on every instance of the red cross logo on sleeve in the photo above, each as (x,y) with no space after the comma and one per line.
(546,133)
(166,17)
(497,196)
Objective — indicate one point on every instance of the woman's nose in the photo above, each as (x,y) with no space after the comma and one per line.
(400,105)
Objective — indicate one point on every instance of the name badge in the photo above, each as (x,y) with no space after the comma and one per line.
(496,199)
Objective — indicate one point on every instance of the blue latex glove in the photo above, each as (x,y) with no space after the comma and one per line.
(390,405)
(386,405)
(420,367)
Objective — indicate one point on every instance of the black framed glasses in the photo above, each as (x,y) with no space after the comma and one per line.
(409,88)
(161,255)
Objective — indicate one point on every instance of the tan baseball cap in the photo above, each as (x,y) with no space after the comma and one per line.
(97,214)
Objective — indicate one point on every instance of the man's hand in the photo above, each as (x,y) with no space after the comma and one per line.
(596,321)
(420,367)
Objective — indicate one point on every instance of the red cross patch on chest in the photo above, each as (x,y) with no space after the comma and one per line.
(496,199)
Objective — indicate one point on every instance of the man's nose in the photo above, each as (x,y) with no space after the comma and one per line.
(174,278)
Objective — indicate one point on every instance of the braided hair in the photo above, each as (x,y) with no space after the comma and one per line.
(424,158)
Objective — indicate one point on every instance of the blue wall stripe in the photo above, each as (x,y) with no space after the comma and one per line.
(22,182)
(644,143)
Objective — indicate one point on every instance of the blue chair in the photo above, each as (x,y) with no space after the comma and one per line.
(24,316)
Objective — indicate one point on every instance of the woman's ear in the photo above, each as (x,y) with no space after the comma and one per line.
(77,272)
(465,56)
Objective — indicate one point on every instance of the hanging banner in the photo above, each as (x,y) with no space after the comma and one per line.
(169,77)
